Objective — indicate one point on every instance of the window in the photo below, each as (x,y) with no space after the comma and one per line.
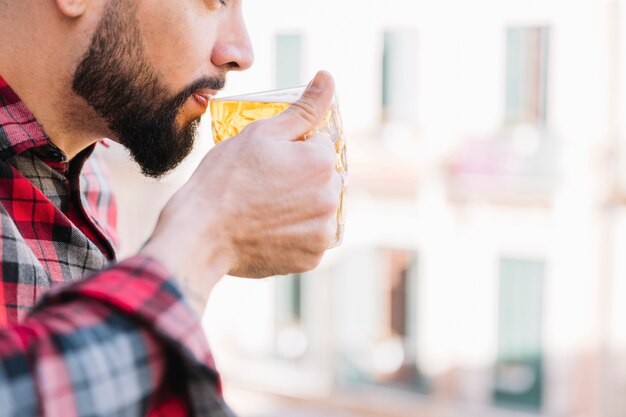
(381,345)
(288,60)
(289,298)
(519,368)
(291,338)
(399,73)
(526,75)
(401,311)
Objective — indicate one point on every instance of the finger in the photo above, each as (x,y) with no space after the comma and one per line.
(309,111)
(337,184)
(317,154)
(331,231)
(323,142)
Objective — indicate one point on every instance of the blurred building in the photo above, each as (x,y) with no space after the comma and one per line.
(483,270)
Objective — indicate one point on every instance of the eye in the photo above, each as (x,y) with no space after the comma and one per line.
(215,4)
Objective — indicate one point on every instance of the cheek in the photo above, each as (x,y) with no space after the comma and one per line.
(178,42)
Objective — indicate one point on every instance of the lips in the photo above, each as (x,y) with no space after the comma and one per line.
(195,106)
(202,98)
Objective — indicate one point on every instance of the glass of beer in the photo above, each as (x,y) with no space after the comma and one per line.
(231,114)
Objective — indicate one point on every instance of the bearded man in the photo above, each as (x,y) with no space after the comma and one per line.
(85,334)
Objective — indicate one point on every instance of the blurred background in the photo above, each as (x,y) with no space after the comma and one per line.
(483,269)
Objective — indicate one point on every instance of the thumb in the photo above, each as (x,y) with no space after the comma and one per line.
(308,112)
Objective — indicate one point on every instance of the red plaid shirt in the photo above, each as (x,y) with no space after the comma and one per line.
(121,341)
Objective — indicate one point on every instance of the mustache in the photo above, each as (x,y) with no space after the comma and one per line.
(211,83)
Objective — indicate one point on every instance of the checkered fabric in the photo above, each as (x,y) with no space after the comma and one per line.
(78,337)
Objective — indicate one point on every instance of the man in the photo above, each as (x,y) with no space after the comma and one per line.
(120,338)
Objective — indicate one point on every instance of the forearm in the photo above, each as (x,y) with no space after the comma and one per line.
(79,359)
(195,273)
(104,346)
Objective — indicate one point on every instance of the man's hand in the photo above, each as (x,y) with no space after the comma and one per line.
(262,203)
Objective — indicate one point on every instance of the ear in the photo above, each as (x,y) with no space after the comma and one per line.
(72,8)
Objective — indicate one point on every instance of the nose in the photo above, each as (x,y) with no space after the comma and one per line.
(233,49)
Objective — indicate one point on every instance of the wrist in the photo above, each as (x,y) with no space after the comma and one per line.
(196,260)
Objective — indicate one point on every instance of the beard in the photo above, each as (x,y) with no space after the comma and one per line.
(117,81)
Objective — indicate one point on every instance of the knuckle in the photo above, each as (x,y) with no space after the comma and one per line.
(325,145)
(322,163)
(254,128)
(330,158)
(323,237)
(329,202)
(310,262)
(305,110)
(317,243)
(331,229)
(300,267)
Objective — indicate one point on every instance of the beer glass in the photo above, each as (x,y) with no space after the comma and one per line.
(231,114)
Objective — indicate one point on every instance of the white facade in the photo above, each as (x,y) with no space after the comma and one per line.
(460,227)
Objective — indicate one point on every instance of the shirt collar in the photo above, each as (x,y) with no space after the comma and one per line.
(19,130)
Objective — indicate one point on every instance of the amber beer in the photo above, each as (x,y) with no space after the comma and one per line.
(231,115)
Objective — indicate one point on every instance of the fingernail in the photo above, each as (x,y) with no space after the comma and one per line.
(316,85)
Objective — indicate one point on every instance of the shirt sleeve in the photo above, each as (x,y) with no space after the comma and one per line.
(120,343)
